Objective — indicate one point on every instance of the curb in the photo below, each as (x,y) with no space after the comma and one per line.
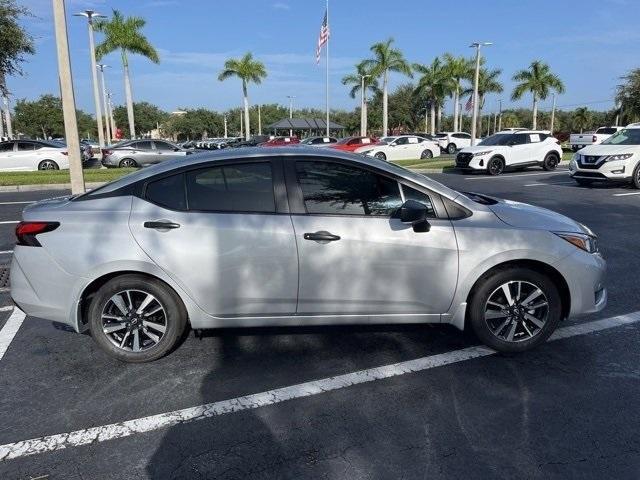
(454,169)
(46,186)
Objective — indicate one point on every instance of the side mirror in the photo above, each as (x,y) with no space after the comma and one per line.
(415,214)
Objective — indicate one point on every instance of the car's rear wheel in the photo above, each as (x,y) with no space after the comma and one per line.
(48,165)
(515,309)
(127,163)
(551,161)
(636,177)
(380,156)
(136,319)
(495,166)
(583,182)
(426,154)
(451,148)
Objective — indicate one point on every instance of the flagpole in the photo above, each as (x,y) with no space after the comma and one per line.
(327,52)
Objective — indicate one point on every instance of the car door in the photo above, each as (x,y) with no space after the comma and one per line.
(222,233)
(462,140)
(7,156)
(355,257)
(166,151)
(25,156)
(398,149)
(519,149)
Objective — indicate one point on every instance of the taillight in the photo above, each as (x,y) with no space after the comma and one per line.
(26,232)
(106,152)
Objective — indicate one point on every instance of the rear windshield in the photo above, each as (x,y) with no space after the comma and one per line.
(628,136)
(607,130)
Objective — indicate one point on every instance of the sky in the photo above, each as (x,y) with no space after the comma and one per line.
(588,43)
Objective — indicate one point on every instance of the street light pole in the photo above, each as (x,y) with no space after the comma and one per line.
(553,113)
(7,116)
(90,15)
(68,100)
(101,67)
(363,101)
(290,97)
(259,120)
(110,110)
(477,46)
(225,126)
(500,115)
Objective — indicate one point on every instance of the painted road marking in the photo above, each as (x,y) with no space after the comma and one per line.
(9,221)
(625,194)
(6,309)
(15,203)
(10,329)
(548,184)
(516,175)
(151,423)
(5,252)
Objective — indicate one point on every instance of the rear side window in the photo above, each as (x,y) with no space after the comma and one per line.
(607,131)
(22,146)
(163,146)
(6,147)
(168,192)
(232,188)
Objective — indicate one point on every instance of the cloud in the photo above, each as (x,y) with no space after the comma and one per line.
(281,6)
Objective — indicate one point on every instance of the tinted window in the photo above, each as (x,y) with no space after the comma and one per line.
(232,188)
(6,147)
(497,139)
(168,192)
(519,139)
(423,198)
(607,130)
(142,145)
(22,146)
(402,141)
(163,146)
(461,135)
(335,189)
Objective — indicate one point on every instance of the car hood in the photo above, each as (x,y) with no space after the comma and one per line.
(523,215)
(599,150)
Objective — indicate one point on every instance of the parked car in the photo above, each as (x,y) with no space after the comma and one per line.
(32,155)
(351,144)
(140,153)
(451,142)
(297,236)
(581,140)
(86,150)
(403,147)
(254,141)
(280,142)
(617,159)
(319,141)
(511,150)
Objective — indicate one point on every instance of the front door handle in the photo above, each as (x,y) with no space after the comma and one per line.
(161,225)
(321,236)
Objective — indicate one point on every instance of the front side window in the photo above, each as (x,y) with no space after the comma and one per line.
(25,146)
(402,141)
(335,189)
(164,147)
(423,198)
(519,139)
(232,188)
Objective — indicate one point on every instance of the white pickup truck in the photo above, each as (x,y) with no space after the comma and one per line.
(581,140)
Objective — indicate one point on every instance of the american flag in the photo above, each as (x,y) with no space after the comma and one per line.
(469,106)
(323,38)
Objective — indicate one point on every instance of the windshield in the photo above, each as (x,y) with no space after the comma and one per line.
(344,141)
(387,139)
(498,139)
(628,136)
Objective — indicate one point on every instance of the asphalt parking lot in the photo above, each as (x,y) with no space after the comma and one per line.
(342,402)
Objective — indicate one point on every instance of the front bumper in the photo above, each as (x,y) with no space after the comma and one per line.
(466,161)
(585,276)
(615,171)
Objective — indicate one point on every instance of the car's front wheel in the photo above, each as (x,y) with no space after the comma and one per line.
(636,177)
(426,154)
(495,166)
(515,309)
(136,319)
(451,148)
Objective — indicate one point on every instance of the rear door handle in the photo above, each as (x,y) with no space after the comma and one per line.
(161,225)
(321,236)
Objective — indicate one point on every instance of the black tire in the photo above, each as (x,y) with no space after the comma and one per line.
(583,182)
(486,288)
(380,156)
(426,154)
(551,161)
(174,318)
(495,166)
(635,180)
(48,165)
(451,148)
(128,163)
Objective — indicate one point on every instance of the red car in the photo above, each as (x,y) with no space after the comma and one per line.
(350,144)
(280,142)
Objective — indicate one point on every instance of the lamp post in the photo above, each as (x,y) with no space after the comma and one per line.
(110,109)
(290,97)
(101,67)
(363,102)
(90,15)
(225,126)
(553,113)
(259,120)
(499,115)
(7,116)
(477,46)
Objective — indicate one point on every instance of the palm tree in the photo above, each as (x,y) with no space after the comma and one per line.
(386,59)
(123,33)
(539,80)
(248,70)
(457,69)
(434,85)
(356,81)
(628,96)
(487,83)
(581,118)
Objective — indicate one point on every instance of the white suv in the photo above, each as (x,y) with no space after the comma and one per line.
(451,142)
(512,150)
(616,159)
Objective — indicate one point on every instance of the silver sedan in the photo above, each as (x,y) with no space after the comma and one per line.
(298,236)
(140,153)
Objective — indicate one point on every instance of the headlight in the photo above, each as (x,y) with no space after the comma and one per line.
(480,154)
(583,241)
(622,156)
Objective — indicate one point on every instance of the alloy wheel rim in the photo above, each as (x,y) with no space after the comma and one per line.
(516,311)
(134,320)
(426,154)
(496,167)
(127,163)
(380,156)
(47,165)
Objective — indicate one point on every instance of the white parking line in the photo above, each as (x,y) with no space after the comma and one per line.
(6,309)
(548,184)
(10,329)
(9,221)
(15,203)
(625,194)
(515,175)
(249,402)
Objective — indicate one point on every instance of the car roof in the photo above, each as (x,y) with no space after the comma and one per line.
(287,153)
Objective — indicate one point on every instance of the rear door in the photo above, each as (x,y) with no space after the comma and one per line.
(7,156)
(223,232)
(355,256)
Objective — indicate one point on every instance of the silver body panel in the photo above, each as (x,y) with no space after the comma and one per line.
(237,269)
